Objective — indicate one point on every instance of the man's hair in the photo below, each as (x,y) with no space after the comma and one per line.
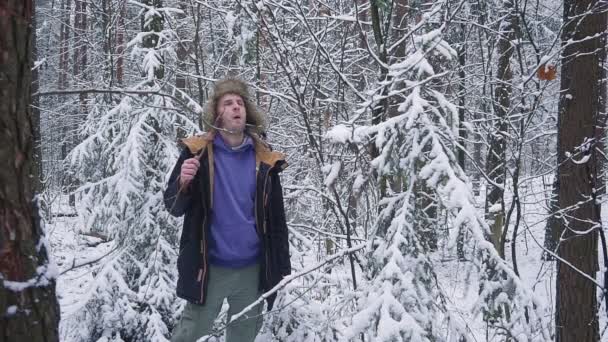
(230,85)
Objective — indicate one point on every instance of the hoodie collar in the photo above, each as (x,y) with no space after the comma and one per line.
(197,144)
(219,142)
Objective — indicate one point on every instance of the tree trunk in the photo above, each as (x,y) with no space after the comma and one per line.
(79,64)
(64,38)
(379,112)
(362,14)
(80,53)
(496,158)
(462,60)
(495,211)
(29,308)
(120,43)
(78,35)
(462,133)
(183,48)
(578,166)
(36,129)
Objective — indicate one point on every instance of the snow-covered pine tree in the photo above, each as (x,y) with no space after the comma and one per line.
(403,300)
(123,163)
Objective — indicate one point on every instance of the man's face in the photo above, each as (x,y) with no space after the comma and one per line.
(231,112)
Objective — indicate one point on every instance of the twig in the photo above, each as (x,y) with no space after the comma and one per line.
(292,277)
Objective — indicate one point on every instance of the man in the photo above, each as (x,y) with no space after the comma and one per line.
(234,240)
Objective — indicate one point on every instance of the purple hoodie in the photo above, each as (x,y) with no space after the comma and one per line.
(234,241)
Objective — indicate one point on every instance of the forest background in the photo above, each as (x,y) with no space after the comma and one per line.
(446,158)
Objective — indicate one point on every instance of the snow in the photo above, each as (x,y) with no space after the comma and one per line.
(584,159)
(11,310)
(332,172)
(536,273)
(339,134)
(344,17)
(496,207)
(230,20)
(358,183)
(44,275)
(122,286)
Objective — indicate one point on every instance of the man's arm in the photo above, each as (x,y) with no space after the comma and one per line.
(177,202)
(279,226)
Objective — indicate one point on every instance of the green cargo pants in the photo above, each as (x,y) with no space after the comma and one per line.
(240,288)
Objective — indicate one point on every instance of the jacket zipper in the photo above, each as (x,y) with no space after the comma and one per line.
(264,227)
(204,266)
(203,270)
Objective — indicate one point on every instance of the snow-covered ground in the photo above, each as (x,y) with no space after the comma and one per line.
(538,274)
(76,254)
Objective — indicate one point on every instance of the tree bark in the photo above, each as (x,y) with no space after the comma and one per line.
(462,132)
(80,52)
(64,38)
(462,91)
(36,129)
(29,308)
(120,43)
(183,49)
(582,89)
(495,211)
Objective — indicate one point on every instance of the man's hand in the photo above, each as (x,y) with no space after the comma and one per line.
(189,169)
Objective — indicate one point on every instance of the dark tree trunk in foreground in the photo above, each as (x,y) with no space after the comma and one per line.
(582,88)
(28,305)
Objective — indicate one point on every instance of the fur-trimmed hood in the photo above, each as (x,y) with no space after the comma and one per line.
(255,120)
(198,143)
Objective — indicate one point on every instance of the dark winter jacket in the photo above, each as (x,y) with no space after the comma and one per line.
(196,202)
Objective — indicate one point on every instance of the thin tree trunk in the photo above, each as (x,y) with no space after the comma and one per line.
(199,63)
(30,312)
(78,68)
(496,157)
(82,60)
(379,112)
(120,43)
(581,91)
(36,129)
(183,48)
(106,7)
(64,38)
(362,41)
(495,211)
(462,133)
(78,5)
(399,27)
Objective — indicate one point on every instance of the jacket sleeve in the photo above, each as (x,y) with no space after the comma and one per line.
(177,202)
(279,227)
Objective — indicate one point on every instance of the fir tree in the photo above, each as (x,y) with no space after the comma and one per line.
(123,162)
(403,299)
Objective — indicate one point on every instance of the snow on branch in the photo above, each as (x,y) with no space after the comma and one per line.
(417,144)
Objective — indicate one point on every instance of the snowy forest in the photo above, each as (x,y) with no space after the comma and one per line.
(446,178)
